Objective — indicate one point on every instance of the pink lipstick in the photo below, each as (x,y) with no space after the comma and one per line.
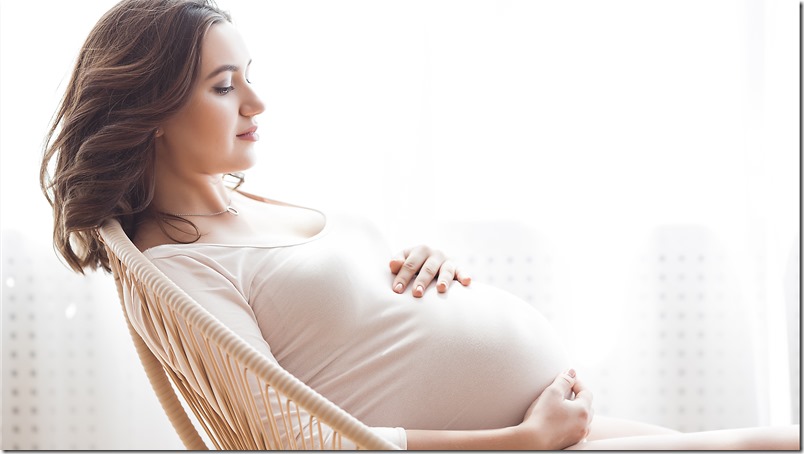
(249,134)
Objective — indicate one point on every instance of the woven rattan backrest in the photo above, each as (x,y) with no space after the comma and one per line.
(233,390)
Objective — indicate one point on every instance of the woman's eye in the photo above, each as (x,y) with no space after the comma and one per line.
(223,90)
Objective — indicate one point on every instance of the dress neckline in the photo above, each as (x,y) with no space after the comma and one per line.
(267,245)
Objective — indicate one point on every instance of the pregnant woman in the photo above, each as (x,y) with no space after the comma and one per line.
(159,108)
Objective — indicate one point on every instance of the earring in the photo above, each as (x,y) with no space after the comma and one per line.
(158,132)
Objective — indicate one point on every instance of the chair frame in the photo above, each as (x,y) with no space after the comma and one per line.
(233,421)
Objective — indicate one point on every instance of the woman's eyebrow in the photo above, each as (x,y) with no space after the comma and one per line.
(221,69)
(224,68)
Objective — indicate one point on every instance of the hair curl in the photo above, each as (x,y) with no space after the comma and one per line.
(135,70)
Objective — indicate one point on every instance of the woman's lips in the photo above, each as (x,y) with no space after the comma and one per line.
(249,134)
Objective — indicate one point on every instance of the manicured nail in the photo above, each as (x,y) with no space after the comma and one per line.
(571,373)
(442,287)
(398,287)
(419,290)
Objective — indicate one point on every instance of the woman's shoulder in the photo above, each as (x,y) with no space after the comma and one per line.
(257,221)
(149,235)
(279,221)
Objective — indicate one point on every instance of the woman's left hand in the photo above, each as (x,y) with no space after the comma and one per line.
(427,263)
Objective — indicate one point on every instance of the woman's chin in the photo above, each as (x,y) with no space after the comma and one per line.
(249,160)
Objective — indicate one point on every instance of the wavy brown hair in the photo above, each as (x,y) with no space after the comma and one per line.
(135,70)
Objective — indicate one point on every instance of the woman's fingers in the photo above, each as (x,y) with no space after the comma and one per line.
(422,265)
(582,393)
(583,399)
(414,259)
(564,383)
(445,276)
(462,277)
(428,271)
(396,264)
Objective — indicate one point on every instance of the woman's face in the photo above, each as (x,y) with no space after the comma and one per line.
(215,131)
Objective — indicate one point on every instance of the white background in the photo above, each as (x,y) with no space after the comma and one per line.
(595,124)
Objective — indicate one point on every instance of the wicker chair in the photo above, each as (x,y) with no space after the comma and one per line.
(241,398)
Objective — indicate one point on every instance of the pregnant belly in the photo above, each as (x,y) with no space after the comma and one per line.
(476,357)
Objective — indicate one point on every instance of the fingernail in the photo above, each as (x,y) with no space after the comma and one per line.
(398,287)
(419,290)
(571,373)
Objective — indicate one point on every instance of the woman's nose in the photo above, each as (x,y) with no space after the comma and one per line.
(252,105)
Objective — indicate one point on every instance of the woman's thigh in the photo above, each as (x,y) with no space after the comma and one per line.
(604,427)
(754,438)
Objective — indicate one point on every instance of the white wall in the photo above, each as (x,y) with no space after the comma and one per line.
(618,133)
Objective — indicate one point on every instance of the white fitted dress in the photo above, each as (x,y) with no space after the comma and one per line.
(474,357)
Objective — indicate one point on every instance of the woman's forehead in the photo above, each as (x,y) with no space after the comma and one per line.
(223,45)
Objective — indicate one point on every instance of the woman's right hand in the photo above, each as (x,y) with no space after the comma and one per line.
(556,419)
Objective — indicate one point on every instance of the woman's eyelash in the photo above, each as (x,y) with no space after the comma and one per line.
(225,90)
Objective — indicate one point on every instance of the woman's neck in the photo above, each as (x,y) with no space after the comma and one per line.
(196,195)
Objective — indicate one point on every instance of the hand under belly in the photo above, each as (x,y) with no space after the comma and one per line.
(475,357)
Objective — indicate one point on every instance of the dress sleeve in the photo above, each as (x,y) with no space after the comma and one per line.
(216,293)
